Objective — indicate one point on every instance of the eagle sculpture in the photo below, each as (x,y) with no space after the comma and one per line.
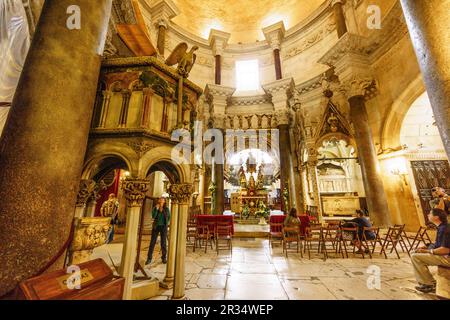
(184,58)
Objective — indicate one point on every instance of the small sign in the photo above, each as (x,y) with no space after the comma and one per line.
(85,276)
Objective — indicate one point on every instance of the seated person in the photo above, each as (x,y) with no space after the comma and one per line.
(362,222)
(291,219)
(436,254)
(305,222)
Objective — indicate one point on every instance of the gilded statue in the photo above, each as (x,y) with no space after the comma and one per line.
(184,58)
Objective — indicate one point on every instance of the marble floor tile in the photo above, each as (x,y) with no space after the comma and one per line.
(254,287)
(212,281)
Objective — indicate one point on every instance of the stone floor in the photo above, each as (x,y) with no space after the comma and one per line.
(255,271)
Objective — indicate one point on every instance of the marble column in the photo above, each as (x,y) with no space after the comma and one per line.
(167,283)
(218,73)
(183,193)
(373,185)
(126,95)
(274,35)
(134,190)
(314,184)
(105,108)
(147,107)
(162,28)
(429,26)
(44,141)
(339,17)
(285,165)
(277,59)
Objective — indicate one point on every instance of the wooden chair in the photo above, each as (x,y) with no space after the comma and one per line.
(404,238)
(191,234)
(276,233)
(291,235)
(223,233)
(314,234)
(332,236)
(212,230)
(421,236)
(349,241)
(202,237)
(368,243)
(392,238)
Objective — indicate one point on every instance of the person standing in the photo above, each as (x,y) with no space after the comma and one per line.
(110,208)
(161,220)
(440,199)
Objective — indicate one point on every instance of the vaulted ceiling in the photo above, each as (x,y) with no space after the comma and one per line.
(244,19)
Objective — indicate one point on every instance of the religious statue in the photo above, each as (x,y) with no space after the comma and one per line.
(185,59)
(242,178)
(212,188)
(260,178)
(109,209)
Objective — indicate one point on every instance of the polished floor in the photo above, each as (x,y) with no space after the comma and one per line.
(255,271)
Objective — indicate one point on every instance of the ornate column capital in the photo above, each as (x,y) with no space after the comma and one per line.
(220,121)
(218,41)
(135,190)
(275,34)
(280,91)
(351,63)
(282,117)
(163,11)
(87,188)
(218,97)
(180,193)
(360,85)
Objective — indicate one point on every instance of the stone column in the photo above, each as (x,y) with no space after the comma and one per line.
(134,190)
(167,283)
(162,27)
(218,73)
(314,183)
(147,107)
(280,91)
(339,17)
(126,95)
(218,97)
(105,108)
(429,24)
(162,12)
(46,134)
(353,68)
(274,35)
(373,185)
(218,40)
(183,193)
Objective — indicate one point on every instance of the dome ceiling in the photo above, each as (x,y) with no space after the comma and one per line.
(244,19)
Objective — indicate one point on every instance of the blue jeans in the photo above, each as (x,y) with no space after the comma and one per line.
(111,234)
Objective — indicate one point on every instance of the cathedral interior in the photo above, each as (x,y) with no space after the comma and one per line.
(330,107)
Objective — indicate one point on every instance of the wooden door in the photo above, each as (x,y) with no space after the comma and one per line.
(429,174)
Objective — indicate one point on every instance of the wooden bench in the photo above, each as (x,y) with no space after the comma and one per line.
(443,282)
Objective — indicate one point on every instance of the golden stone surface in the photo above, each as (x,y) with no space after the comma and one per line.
(244,19)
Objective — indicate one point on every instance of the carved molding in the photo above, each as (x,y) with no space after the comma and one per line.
(90,233)
(180,193)
(360,85)
(141,147)
(87,189)
(135,190)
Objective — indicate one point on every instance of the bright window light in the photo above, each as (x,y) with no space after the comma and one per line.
(247,75)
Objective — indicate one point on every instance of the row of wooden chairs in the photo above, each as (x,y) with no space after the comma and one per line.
(342,239)
(220,235)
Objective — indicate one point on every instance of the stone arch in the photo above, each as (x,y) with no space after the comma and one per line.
(98,152)
(390,136)
(162,156)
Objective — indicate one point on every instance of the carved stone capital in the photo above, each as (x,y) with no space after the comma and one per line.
(360,85)
(90,233)
(180,193)
(275,34)
(282,117)
(163,10)
(280,92)
(219,121)
(218,40)
(135,190)
(218,97)
(87,189)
